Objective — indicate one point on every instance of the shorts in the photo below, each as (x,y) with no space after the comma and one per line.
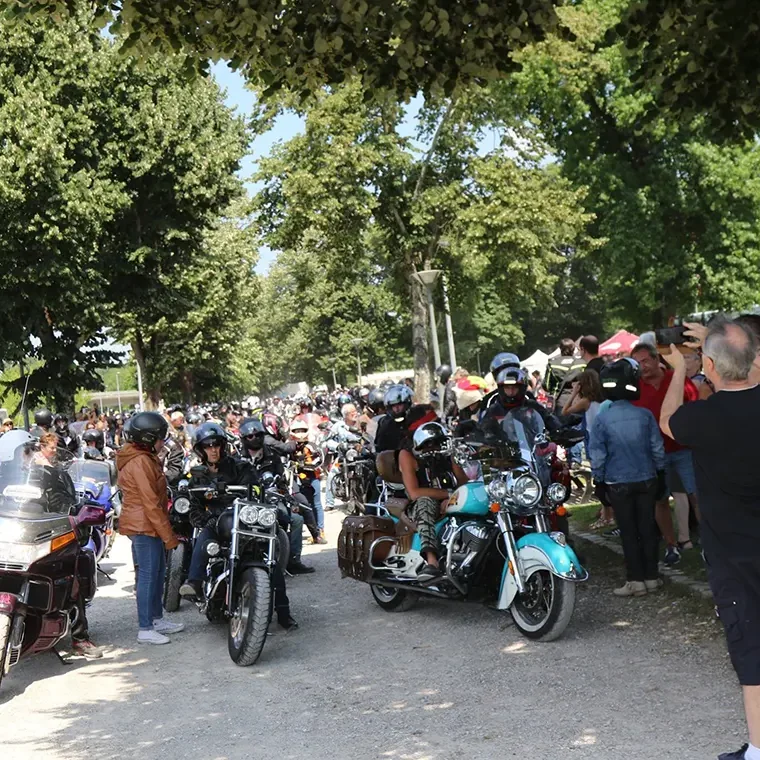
(679,471)
(737,604)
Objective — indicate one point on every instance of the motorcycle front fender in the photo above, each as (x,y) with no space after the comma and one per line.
(540,551)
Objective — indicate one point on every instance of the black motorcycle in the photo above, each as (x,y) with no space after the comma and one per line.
(354,477)
(238,585)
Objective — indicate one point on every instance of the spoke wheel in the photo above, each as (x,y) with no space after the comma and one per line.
(544,610)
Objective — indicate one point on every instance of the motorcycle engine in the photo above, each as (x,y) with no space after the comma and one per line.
(474,537)
(470,542)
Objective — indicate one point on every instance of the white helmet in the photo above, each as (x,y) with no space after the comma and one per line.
(10,442)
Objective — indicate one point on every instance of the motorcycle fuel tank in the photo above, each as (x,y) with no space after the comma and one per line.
(469,499)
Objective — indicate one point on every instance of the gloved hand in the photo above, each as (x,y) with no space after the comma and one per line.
(662,485)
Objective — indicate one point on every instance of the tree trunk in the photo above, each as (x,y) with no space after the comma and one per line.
(420,343)
(187,387)
(152,394)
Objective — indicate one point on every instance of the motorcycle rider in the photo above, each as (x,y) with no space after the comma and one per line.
(265,459)
(65,438)
(344,431)
(373,411)
(43,423)
(429,474)
(308,461)
(392,427)
(211,446)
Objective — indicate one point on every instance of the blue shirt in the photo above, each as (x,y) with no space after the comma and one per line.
(626,445)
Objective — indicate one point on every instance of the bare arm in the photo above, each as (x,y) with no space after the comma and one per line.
(576,405)
(674,396)
(408,466)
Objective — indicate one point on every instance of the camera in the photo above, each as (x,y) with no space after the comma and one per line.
(667,335)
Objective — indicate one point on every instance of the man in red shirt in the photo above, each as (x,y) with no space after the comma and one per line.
(655,381)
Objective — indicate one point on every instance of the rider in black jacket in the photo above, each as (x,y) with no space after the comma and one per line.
(391,429)
(264,458)
(211,446)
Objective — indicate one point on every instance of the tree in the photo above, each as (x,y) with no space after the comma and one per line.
(352,202)
(302,46)
(672,245)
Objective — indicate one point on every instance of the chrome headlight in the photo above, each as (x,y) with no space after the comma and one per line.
(181,505)
(352,455)
(212,548)
(267,517)
(497,490)
(556,493)
(526,491)
(249,515)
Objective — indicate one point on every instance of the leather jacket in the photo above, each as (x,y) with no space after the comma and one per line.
(143,490)
(231,472)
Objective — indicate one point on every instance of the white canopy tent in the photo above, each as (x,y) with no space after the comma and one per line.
(536,361)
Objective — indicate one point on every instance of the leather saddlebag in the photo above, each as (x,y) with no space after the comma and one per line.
(354,544)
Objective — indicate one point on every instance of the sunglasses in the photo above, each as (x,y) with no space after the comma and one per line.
(253,436)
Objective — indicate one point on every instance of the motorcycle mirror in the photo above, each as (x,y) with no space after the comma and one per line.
(90,515)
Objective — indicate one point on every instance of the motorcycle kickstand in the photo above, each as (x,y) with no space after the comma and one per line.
(60,657)
(101,570)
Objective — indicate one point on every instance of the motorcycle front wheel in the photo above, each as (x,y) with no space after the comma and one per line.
(544,611)
(6,625)
(175,561)
(393,599)
(251,614)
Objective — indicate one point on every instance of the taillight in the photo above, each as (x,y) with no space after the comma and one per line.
(7,603)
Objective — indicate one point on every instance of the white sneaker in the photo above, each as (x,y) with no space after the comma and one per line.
(165,626)
(653,585)
(151,637)
(631,588)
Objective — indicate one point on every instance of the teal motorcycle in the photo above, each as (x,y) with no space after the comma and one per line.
(497,542)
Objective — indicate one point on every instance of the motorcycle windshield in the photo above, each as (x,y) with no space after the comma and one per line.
(90,475)
(522,427)
(35,481)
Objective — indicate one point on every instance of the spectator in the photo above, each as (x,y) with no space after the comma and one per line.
(628,457)
(589,346)
(728,479)
(752,323)
(655,381)
(693,359)
(144,518)
(6,426)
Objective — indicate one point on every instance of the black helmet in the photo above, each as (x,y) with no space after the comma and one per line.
(502,361)
(209,433)
(146,428)
(395,395)
(93,437)
(252,432)
(443,373)
(43,418)
(376,401)
(305,401)
(344,399)
(620,380)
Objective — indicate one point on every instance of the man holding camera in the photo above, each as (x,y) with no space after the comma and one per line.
(728,478)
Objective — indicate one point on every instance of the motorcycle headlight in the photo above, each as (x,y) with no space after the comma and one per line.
(351,455)
(182,505)
(249,515)
(556,493)
(497,490)
(267,517)
(526,491)
(212,548)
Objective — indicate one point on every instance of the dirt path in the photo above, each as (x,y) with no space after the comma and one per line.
(645,679)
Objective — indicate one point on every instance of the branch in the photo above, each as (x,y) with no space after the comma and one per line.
(431,150)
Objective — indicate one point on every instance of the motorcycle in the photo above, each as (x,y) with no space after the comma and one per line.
(95,481)
(353,479)
(178,558)
(496,540)
(238,585)
(44,563)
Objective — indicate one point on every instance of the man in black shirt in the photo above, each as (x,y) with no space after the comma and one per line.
(721,432)
(589,346)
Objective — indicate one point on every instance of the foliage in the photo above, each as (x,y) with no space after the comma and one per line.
(697,58)
(393,45)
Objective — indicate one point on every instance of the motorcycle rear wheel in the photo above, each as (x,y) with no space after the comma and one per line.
(175,561)
(250,616)
(393,599)
(544,611)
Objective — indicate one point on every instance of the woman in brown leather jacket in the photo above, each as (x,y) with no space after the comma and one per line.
(144,518)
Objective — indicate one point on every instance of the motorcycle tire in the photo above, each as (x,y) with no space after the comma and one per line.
(560,609)
(175,561)
(6,625)
(250,617)
(283,548)
(393,599)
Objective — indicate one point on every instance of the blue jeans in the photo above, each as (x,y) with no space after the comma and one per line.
(199,560)
(149,558)
(680,463)
(319,512)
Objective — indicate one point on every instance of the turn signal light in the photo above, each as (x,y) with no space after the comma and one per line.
(7,603)
(495,506)
(60,541)
(561,511)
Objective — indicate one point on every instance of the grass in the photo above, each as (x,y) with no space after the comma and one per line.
(691,564)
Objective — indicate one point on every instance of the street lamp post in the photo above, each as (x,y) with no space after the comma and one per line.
(449,328)
(427,278)
(331,359)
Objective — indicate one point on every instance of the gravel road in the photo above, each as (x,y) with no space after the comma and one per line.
(646,679)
